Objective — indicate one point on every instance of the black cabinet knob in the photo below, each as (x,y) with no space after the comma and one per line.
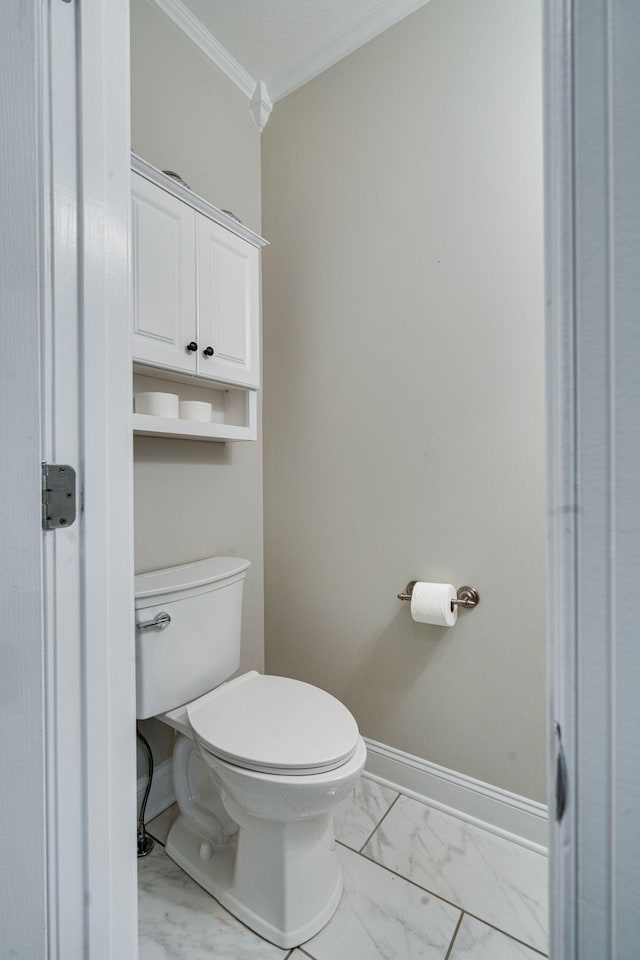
(191,347)
(208,351)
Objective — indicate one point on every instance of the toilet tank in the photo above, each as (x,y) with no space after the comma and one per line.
(198,647)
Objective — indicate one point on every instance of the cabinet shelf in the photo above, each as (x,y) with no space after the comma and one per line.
(146,426)
(235,409)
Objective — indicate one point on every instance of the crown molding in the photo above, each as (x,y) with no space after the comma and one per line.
(370,26)
(260,105)
(254,90)
(260,98)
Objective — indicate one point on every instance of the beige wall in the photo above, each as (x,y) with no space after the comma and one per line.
(403,301)
(193,499)
(189,117)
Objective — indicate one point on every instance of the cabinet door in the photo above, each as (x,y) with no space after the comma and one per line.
(164,278)
(228,306)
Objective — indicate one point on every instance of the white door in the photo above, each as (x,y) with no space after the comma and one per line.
(163,246)
(228,306)
(67,751)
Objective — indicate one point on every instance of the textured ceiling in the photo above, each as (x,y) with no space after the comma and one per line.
(271,37)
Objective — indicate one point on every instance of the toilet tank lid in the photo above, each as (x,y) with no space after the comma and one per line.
(186,575)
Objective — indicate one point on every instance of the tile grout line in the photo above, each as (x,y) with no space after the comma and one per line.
(450,902)
(455,934)
(155,839)
(510,936)
(412,882)
(385,814)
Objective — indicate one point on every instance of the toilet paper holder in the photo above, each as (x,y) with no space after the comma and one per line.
(467,597)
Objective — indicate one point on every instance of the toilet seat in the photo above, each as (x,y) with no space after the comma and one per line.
(274,725)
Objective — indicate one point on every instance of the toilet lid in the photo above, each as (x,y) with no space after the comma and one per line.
(275,725)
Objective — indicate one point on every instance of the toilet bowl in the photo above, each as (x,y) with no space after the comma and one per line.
(259,761)
(255,826)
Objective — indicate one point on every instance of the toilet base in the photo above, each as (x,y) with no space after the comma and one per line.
(286,906)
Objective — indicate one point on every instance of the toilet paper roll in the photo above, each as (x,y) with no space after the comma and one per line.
(195,410)
(431,603)
(157,404)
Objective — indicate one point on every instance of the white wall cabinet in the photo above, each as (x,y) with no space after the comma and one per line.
(196,292)
(228,308)
(164,278)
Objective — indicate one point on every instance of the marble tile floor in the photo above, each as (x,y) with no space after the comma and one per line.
(419,885)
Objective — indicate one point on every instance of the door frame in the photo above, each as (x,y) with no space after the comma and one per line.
(109,716)
(561,467)
(592,143)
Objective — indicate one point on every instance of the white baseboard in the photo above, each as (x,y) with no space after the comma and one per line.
(161,795)
(499,811)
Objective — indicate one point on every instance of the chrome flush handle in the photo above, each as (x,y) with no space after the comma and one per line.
(160,621)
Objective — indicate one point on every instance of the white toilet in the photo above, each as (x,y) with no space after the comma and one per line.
(259,762)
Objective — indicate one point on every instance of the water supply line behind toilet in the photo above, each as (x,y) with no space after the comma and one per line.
(145,842)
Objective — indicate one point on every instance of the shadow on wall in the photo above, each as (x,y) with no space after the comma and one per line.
(162,450)
(394,663)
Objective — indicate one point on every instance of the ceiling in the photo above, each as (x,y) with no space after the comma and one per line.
(285,43)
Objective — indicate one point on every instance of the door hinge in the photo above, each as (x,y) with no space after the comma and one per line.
(58,495)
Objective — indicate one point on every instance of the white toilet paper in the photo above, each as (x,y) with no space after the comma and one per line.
(431,603)
(157,404)
(195,410)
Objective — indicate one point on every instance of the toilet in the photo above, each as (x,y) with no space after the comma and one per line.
(259,761)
